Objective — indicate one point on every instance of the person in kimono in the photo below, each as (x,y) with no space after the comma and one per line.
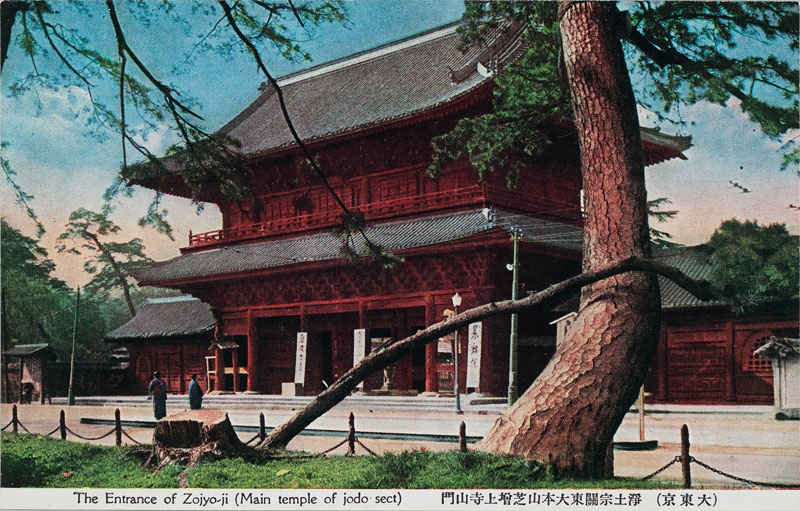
(195,394)
(158,391)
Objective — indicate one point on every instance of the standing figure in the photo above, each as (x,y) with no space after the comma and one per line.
(158,391)
(195,394)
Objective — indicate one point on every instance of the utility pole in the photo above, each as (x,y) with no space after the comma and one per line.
(70,393)
(456,304)
(514,341)
(5,340)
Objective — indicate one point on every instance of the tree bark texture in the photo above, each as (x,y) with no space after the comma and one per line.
(186,436)
(546,299)
(568,417)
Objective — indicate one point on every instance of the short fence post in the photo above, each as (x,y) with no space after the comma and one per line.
(14,420)
(262,428)
(118,427)
(62,425)
(685,458)
(351,437)
(462,437)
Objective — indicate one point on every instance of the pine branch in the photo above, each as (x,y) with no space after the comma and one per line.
(349,217)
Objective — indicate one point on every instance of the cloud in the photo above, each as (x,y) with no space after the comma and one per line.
(727,146)
(157,140)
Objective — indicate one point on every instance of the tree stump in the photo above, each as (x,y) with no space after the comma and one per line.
(186,436)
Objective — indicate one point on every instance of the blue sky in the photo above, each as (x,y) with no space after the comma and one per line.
(65,168)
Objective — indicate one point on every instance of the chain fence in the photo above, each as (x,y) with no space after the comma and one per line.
(685,459)
(675,460)
(20,424)
(91,439)
(131,438)
(365,447)
(741,479)
(57,428)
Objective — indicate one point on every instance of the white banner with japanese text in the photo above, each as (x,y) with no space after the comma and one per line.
(475,333)
(359,348)
(300,358)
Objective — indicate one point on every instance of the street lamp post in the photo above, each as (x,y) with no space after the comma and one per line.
(456,303)
(514,340)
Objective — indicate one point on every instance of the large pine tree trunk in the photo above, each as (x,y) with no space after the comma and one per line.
(568,417)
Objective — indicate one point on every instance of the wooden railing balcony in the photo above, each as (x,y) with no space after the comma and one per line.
(476,195)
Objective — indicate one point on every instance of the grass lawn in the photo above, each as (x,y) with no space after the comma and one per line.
(33,461)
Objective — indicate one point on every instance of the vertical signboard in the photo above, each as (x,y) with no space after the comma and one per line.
(300,358)
(359,348)
(474,355)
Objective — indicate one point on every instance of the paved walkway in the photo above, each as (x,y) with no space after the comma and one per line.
(745,442)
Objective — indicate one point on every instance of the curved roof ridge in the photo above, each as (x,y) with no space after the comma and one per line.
(369,54)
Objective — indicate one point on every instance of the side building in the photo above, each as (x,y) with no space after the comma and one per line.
(706,353)
(169,335)
(274,269)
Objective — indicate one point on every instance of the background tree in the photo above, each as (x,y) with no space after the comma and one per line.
(753,265)
(38,307)
(569,415)
(113,261)
(146,92)
(679,53)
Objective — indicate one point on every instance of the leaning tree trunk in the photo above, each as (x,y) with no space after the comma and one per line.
(568,417)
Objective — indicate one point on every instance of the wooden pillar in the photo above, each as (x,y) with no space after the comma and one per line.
(303,318)
(363,315)
(219,378)
(235,363)
(252,351)
(21,361)
(431,349)
(730,355)
(183,385)
(402,368)
(363,312)
(43,383)
(662,364)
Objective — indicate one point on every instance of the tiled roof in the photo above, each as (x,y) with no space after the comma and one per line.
(532,229)
(392,236)
(391,82)
(694,263)
(673,143)
(363,90)
(25,350)
(690,260)
(165,317)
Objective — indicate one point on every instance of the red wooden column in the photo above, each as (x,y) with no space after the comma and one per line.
(662,363)
(219,376)
(730,355)
(363,313)
(252,351)
(235,360)
(431,349)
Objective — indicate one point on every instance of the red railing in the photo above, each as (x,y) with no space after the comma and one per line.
(471,195)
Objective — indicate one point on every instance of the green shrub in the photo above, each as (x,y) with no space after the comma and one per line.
(34,461)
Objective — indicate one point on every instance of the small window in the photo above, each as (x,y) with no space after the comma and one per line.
(750,362)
